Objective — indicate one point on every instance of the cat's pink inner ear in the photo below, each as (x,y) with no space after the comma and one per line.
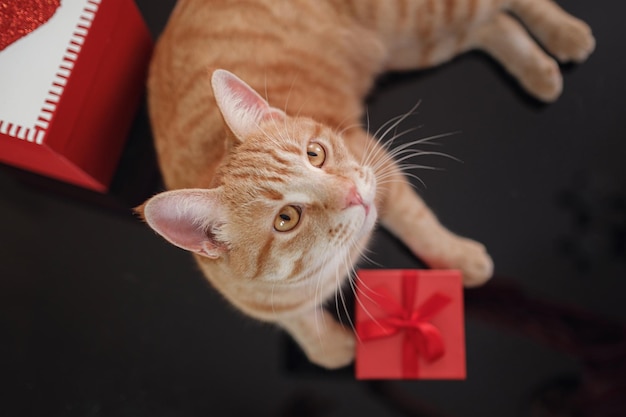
(242,107)
(187,219)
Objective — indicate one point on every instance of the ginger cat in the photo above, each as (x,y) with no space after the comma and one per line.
(278,200)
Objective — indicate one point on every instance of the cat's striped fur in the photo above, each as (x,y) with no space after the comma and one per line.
(273,229)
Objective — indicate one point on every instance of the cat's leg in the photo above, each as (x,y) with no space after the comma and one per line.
(509,43)
(563,35)
(420,34)
(406,215)
(325,341)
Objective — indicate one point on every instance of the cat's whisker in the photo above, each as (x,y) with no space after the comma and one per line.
(319,301)
(293,82)
(378,148)
(338,295)
(381,154)
(304,102)
(346,258)
(374,154)
(354,274)
(422,141)
(345,249)
(399,170)
(388,171)
(337,301)
(271,138)
(363,289)
(384,150)
(353,277)
(427,140)
(382,147)
(368,143)
(384,184)
(360,293)
(403,168)
(340,130)
(406,149)
(410,156)
(388,156)
(395,121)
(278,131)
(348,127)
(393,177)
(267,98)
(369,260)
(390,126)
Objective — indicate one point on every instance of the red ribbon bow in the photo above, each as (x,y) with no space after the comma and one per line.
(420,336)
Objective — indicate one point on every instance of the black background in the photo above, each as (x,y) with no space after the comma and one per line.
(100,317)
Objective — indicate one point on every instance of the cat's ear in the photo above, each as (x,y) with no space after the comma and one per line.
(242,107)
(188,218)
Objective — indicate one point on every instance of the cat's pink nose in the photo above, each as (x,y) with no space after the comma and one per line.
(353,198)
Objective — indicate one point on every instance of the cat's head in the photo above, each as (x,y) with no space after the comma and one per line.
(290,200)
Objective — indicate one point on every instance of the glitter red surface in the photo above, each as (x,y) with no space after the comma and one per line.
(20,17)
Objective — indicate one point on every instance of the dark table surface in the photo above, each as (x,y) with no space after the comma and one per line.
(100,317)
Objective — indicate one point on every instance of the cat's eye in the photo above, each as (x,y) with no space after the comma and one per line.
(287,219)
(316,154)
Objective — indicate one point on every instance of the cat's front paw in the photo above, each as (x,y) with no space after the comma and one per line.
(470,257)
(477,265)
(335,350)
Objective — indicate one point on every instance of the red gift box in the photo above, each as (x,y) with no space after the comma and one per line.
(410,325)
(70,85)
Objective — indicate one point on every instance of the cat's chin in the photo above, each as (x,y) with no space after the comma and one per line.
(369,222)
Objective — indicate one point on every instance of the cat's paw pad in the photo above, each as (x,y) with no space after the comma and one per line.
(543,79)
(573,41)
(336,349)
